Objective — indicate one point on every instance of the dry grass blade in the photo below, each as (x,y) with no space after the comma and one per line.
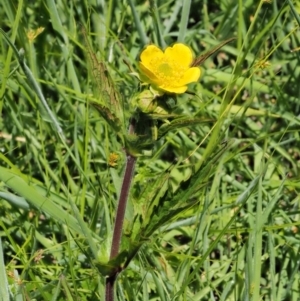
(202,58)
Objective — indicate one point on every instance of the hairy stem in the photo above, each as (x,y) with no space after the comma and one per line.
(118,227)
(130,164)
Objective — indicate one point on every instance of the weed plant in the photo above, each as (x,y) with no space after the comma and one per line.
(213,209)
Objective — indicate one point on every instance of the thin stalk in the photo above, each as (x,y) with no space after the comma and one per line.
(130,164)
(118,227)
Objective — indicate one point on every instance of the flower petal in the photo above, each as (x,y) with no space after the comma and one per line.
(190,76)
(151,52)
(177,90)
(181,54)
(147,75)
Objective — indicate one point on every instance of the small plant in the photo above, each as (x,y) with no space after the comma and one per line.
(149,150)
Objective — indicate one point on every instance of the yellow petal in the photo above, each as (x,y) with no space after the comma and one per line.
(147,75)
(181,54)
(190,76)
(151,52)
(177,90)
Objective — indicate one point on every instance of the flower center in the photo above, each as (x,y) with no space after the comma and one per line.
(165,69)
(168,71)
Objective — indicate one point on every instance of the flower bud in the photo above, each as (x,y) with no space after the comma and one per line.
(146,101)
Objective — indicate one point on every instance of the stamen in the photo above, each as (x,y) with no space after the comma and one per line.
(167,70)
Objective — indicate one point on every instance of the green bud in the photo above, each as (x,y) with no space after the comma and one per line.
(146,101)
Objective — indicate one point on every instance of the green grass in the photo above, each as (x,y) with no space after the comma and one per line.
(213,212)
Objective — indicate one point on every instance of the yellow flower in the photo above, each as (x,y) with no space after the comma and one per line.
(168,70)
(32,34)
(113,159)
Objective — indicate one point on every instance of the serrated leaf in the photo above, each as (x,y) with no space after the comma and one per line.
(110,99)
(164,213)
(200,178)
(179,122)
(167,206)
(145,202)
(109,116)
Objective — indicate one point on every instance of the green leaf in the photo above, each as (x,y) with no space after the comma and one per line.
(164,205)
(145,203)
(15,200)
(5,293)
(110,98)
(179,122)
(109,117)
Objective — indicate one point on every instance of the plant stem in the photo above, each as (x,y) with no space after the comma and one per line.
(118,227)
(130,164)
(109,288)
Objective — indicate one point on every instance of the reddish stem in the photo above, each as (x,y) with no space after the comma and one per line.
(118,227)
(130,164)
